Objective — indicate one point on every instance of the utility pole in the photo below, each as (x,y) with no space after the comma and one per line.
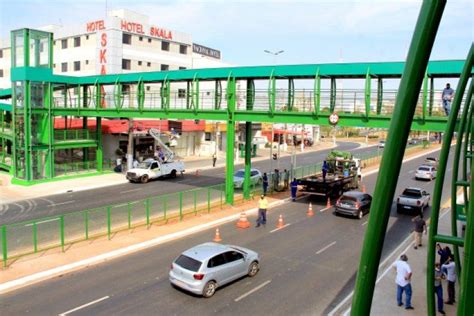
(130,144)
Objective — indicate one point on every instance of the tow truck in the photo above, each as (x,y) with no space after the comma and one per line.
(157,168)
(343,175)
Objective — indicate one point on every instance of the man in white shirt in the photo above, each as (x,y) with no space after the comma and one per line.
(403,281)
(450,268)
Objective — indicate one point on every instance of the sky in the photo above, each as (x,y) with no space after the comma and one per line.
(308,31)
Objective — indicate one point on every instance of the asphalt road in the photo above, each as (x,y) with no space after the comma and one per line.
(307,267)
(116,194)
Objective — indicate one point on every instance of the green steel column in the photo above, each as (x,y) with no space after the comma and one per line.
(440,175)
(217,95)
(99,151)
(27,126)
(332,102)
(368,84)
(431,99)
(188,94)
(379,95)
(272,93)
(230,141)
(317,93)
(425,96)
(141,95)
(291,94)
(49,161)
(420,49)
(248,140)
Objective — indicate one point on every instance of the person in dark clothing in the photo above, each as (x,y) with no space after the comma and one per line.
(286,178)
(265,183)
(214,159)
(276,179)
(325,170)
(444,253)
(420,227)
(294,189)
(438,287)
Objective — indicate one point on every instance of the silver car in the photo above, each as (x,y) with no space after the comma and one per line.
(204,268)
(426,172)
(255,178)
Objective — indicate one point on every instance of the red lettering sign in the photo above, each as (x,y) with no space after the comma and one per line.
(103,41)
(132,27)
(95,26)
(102,57)
(103,53)
(102,70)
(157,32)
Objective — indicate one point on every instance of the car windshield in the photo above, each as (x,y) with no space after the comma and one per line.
(144,165)
(412,193)
(239,174)
(188,263)
(424,169)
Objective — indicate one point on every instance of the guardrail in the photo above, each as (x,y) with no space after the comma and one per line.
(30,237)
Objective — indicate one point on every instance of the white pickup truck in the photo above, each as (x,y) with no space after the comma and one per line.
(153,169)
(413,199)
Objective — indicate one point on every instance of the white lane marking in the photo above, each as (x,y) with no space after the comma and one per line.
(365,223)
(132,190)
(325,209)
(252,291)
(46,221)
(409,237)
(325,248)
(277,229)
(85,305)
(62,203)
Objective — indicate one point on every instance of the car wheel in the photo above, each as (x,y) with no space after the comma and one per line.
(253,269)
(209,289)
(360,214)
(144,179)
(173,174)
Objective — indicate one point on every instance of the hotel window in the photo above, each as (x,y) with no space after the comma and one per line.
(127,39)
(1,73)
(126,64)
(139,63)
(149,40)
(148,64)
(63,67)
(87,37)
(148,88)
(183,49)
(1,53)
(126,89)
(182,68)
(64,43)
(165,46)
(77,41)
(77,66)
(165,67)
(140,38)
(87,61)
(181,93)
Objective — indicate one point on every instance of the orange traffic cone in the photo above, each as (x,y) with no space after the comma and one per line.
(243,222)
(363,188)
(310,210)
(280,223)
(217,237)
(328,204)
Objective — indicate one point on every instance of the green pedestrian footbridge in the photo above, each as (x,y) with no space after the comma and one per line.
(296,94)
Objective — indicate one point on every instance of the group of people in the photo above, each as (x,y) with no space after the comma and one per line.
(445,269)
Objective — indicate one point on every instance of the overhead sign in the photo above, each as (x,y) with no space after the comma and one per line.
(132,27)
(206,51)
(333,118)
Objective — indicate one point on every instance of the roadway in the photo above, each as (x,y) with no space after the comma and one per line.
(89,199)
(307,267)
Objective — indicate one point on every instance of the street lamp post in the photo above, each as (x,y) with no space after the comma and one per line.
(274,54)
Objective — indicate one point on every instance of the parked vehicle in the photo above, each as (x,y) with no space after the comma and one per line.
(206,267)
(381,144)
(343,174)
(256,178)
(413,200)
(153,169)
(425,172)
(353,203)
(432,161)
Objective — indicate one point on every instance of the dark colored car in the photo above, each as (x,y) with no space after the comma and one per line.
(354,203)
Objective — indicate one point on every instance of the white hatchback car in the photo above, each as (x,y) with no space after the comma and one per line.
(205,267)
(425,172)
(256,178)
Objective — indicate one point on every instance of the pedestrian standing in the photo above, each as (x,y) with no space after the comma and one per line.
(294,189)
(447,97)
(450,268)
(214,159)
(265,183)
(276,179)
(262,211)
(286,175)
(325,170)
(444,253)
(403,281)
(438,287)
(420,228)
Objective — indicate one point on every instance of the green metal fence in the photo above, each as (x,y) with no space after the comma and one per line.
(29,237)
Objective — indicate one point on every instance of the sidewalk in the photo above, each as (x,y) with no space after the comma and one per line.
(384,301)
(10,193)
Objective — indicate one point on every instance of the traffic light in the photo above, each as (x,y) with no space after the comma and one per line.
(275,157)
